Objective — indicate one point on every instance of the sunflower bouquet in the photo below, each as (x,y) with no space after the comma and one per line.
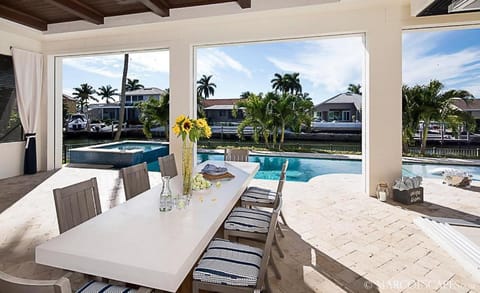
(194,129)
(191,130)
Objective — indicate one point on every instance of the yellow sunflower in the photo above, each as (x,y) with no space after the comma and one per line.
(201,123)
(176,129)
(208,131)
(180,118)
(187,125)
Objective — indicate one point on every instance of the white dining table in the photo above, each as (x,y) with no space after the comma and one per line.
(136,243)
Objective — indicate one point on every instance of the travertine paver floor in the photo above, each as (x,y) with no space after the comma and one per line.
(338,239)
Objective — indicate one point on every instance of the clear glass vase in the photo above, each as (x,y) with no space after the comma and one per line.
(166,200)
(187,166)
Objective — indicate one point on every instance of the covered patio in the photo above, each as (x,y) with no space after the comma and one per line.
(337,240)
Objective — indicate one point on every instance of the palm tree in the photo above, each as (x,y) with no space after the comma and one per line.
(354,89)
(155,112)
(121,117)
(278,83)
(288,83)
(83,94)
(257,115)
(435,105)
(410,115)
(303,107)
(283,111)
(200,107)
(293,84)
(205,88)
(107,93)
(133,84)
(245,95)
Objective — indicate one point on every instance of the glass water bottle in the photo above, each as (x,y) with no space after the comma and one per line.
(166,201)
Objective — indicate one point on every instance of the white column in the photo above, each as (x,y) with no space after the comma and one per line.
(382,121)
(54,133)
(182,99)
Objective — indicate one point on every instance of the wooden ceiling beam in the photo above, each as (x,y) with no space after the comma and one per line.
(22,18)
(159,7)
(79,9)
(245,3)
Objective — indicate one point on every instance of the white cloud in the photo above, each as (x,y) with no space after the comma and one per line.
(150,62)
(101,65)
(210,61)
(423,61)
(111,66)
(331,64)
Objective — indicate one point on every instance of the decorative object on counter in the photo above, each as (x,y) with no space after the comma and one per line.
(181,201)
(407,190)
(200,183)
(166,201)
(382,191)
(457,178)
(191,130)
(212,172)
(211,169)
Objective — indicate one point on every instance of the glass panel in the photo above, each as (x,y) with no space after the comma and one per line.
(10,127)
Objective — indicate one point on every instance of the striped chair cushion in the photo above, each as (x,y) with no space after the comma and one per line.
(248,220)
(258,189)
(100,287)
(253,196)
(229,263)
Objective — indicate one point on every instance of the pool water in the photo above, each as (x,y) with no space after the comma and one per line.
(425,170)
(303,169)
(128,146)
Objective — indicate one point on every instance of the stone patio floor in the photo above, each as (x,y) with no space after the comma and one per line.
(337,239)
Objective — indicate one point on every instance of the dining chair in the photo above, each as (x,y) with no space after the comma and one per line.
(77,203)
(263,197)
(135,180)
(167,164)
(236,155)
(252,223)
(233,267)
(11,284)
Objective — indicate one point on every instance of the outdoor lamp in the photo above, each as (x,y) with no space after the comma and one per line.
(382,191)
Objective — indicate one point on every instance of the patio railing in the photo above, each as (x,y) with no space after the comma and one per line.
(470,152)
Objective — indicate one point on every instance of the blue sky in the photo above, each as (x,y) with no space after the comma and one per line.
(326,65)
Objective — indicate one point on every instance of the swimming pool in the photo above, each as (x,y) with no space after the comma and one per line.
(119,154)
(303,169)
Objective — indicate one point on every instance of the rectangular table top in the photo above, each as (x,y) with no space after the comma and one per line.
(136,243)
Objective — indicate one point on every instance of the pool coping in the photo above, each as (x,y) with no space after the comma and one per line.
(119,158)
(98,147)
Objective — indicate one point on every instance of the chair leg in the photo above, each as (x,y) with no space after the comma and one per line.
(226,234)
(275,268)
(195,288)
(277,244)
(283,219)
(267,284)
(280,230)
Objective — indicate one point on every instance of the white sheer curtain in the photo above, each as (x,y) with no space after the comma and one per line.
(28,67)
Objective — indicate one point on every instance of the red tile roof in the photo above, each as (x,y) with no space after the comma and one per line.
(214,102)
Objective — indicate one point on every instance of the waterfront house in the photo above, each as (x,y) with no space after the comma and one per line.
(344,107)
(110,111)
(219,111)
(69,104)
(472,107)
